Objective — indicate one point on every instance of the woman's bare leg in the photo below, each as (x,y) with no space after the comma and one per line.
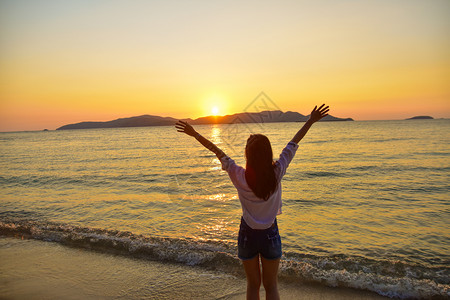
(270,277)
(251,267)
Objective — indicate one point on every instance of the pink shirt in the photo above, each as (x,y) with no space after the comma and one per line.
(257,213)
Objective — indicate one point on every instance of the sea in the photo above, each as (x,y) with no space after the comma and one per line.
(366,204)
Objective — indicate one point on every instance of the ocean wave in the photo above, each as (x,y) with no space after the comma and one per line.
(388,278)
(138,184)
(323,174)
(364,168)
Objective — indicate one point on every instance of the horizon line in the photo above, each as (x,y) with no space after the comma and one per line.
(354,120)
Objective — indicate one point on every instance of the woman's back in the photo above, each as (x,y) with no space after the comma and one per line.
(259,213)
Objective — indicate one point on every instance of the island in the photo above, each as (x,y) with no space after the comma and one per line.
(421,118)
(246,117)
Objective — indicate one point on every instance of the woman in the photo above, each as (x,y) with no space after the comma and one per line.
(259,191)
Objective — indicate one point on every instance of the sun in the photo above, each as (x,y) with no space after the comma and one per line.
(214,105)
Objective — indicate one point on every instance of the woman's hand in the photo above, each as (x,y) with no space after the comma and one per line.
(186,128)
(319,113)
(189,130)
(316,115)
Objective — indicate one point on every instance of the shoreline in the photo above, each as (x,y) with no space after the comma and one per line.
(343,272)
(40,269)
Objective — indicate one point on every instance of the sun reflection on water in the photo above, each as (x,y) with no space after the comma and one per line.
(216,227)
(218,197)
(216,138)
(216,134)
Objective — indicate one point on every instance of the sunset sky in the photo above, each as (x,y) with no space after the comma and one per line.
(70,61)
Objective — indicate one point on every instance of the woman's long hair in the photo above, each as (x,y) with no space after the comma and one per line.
(259,171)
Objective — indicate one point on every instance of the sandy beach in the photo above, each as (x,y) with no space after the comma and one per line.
(32,269)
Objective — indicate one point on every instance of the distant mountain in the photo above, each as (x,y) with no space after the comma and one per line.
(271,116)
(139,121)
(148,120)
(420,118)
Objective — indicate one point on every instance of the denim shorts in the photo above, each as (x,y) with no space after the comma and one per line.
(252,242)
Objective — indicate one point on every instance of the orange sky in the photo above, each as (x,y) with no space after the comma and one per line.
(70,61)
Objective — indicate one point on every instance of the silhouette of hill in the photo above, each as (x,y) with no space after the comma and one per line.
(247,117)
(272,116)
(420,118)
(139,121)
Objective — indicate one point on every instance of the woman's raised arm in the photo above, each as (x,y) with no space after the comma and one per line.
(316,115)
(182,126)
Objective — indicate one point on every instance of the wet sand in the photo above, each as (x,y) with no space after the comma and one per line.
(31,269)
